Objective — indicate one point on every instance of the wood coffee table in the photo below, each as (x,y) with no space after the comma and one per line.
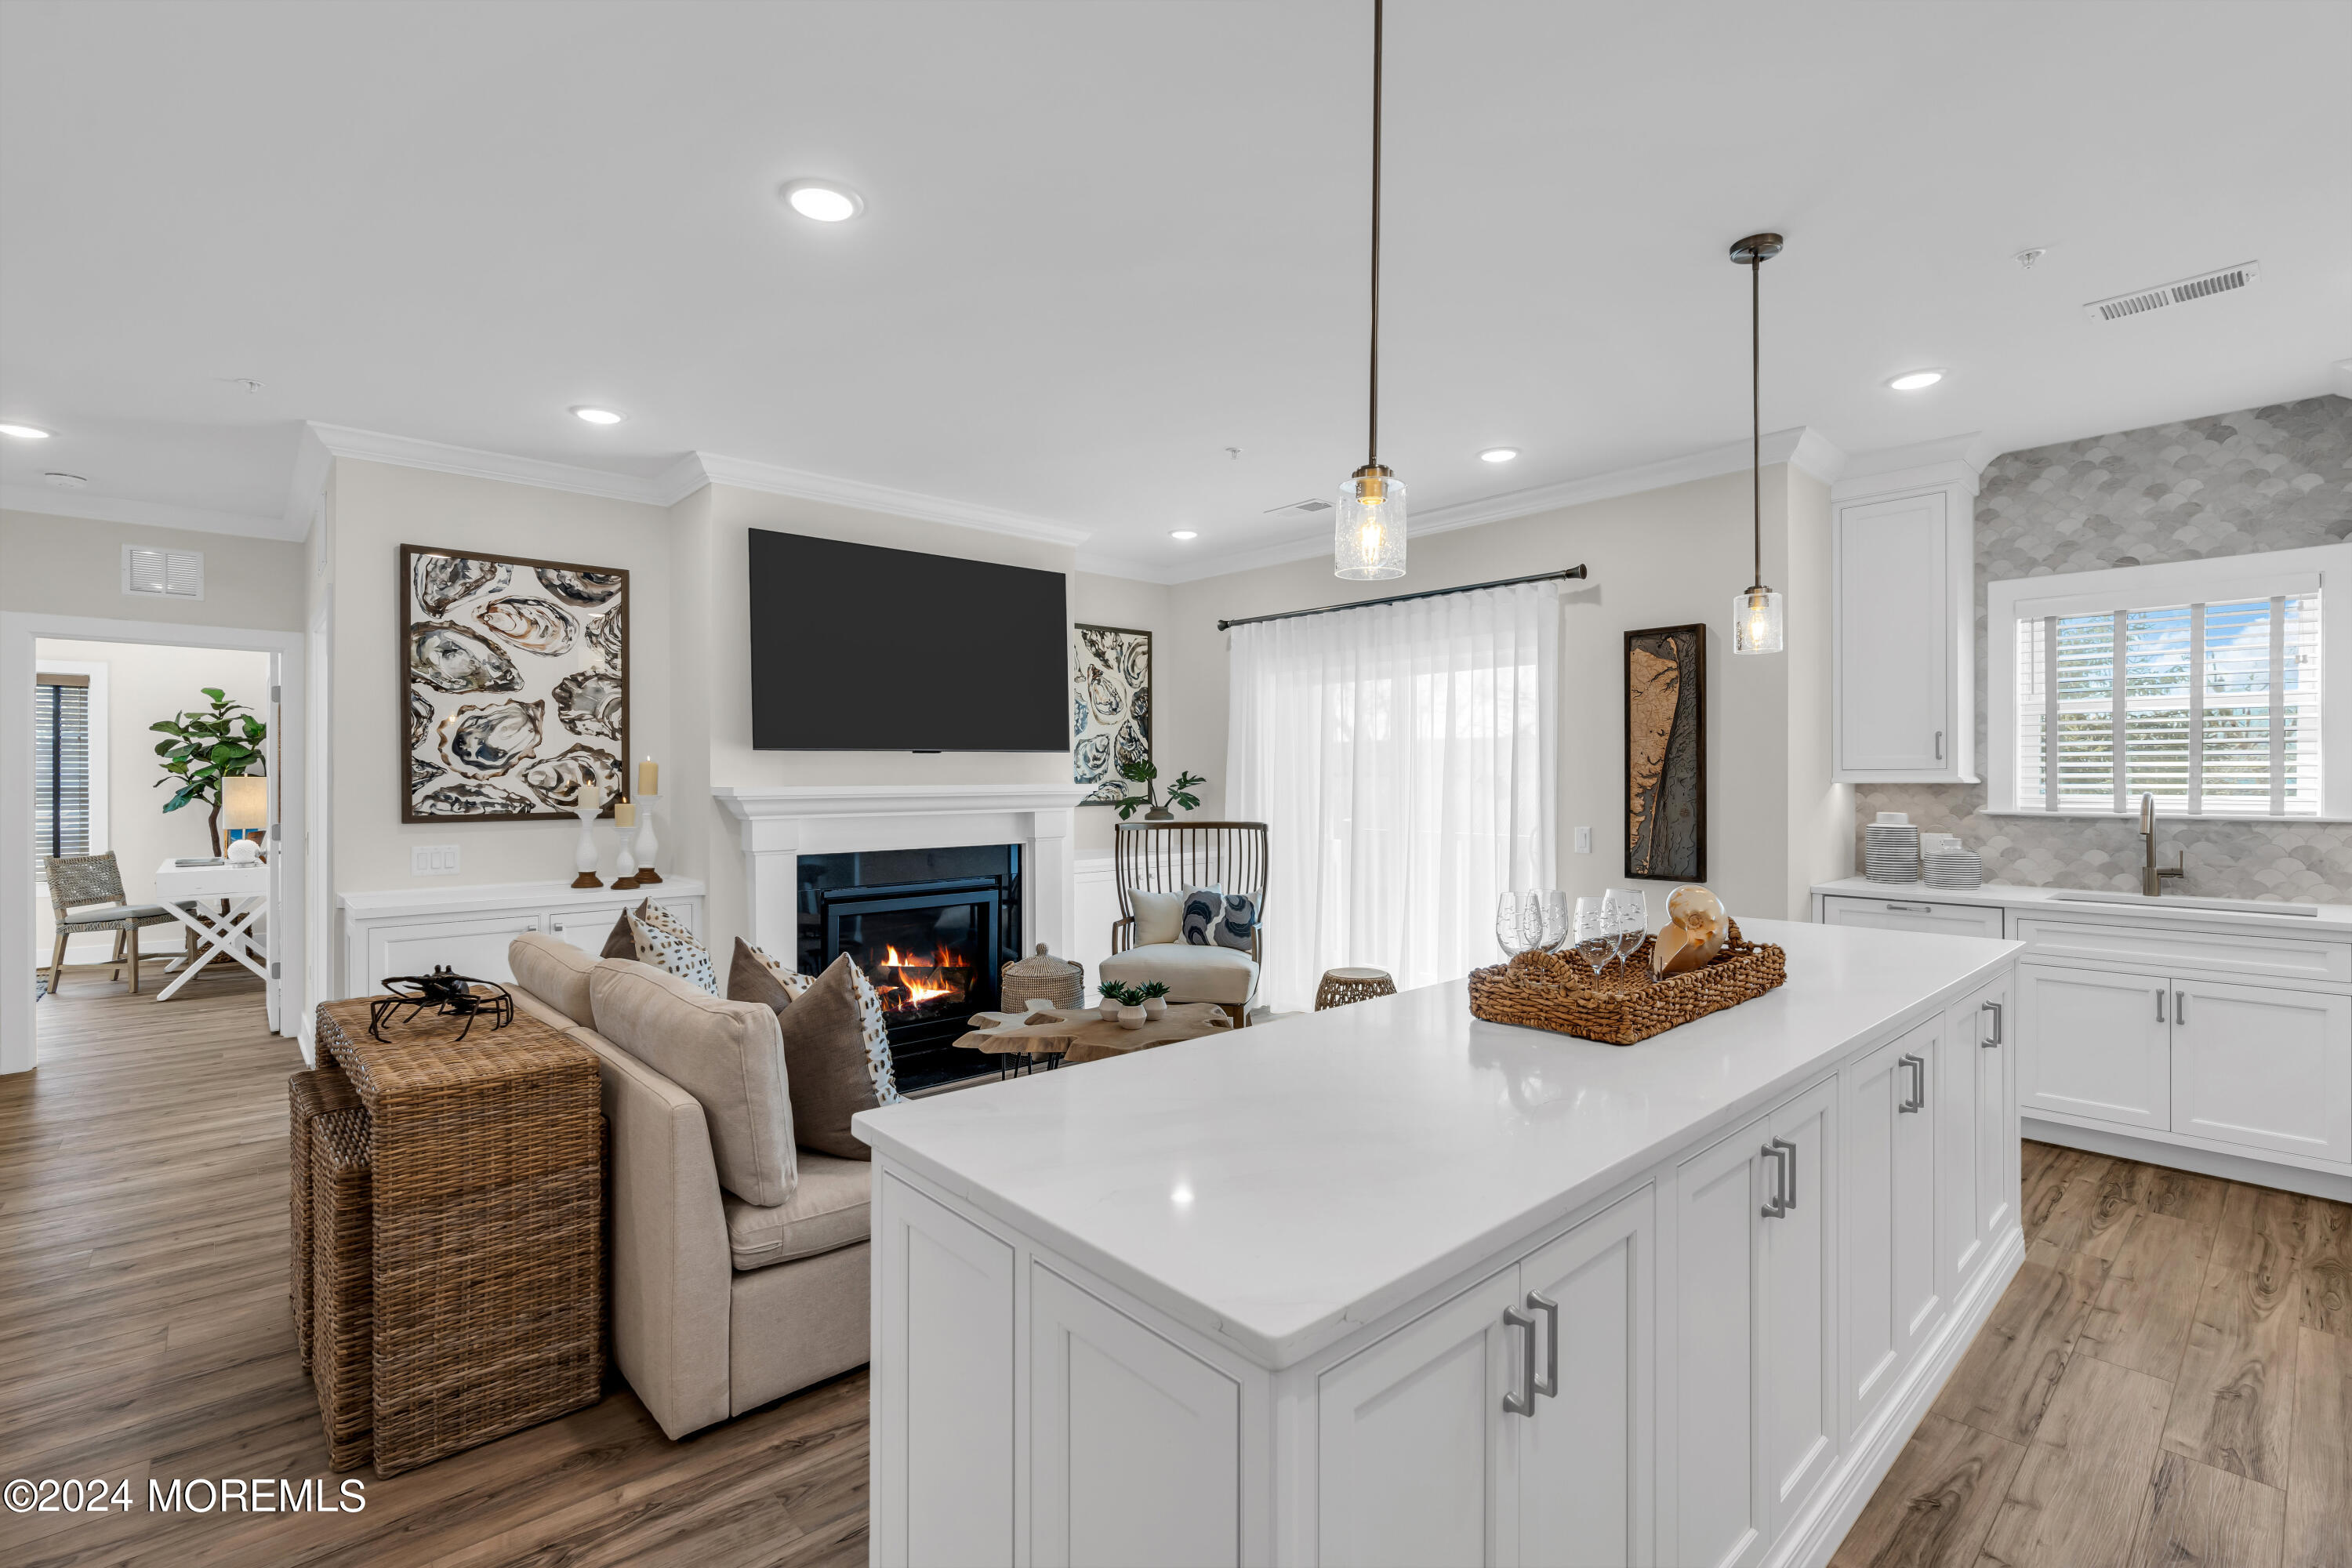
(1083,1035)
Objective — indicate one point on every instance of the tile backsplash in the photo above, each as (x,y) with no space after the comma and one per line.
(2278,478)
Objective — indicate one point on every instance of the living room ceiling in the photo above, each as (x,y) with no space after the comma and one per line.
(1104,244)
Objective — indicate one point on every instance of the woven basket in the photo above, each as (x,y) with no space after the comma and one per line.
(342,1284)
(309,1095)
(1044,977)
(1621,1005)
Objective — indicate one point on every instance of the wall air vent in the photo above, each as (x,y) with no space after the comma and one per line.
(1307,508)
(164,574)
(2203,286)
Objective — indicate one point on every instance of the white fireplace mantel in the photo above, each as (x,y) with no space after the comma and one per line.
(780,822)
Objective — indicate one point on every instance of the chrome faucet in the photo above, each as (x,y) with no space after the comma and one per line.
(2151,877)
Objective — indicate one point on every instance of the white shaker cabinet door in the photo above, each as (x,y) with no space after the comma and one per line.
(1913,914)
(2264,1068)
(1135,1444)
(1718,1517)
(1798,1434)
(943,1384)
(1417,1467)
(476,947)
(1895,637)
(1888,1175)
(2091,1043)
(1998,1150)
(1585,1481)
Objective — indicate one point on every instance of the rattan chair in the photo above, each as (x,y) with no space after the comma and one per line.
(76,883)
(1170,856)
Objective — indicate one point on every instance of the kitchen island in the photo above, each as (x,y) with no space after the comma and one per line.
(1388,1284)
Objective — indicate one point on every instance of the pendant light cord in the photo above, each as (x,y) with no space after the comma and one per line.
(1373,431)
(1756,398)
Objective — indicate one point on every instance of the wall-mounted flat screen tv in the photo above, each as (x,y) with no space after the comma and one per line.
(859,649)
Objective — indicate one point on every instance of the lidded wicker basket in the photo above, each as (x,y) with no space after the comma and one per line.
(1623,1004)
(1043,976)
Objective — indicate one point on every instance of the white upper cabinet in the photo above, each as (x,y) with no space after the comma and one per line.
(1905,623)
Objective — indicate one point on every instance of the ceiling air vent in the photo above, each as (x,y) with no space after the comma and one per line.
(2200,286)
(1307,508)
(165,574)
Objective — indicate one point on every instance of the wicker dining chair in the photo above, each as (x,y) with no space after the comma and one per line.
(1170,856)
(77,882)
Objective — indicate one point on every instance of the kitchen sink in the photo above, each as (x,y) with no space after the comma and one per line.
(2159,906)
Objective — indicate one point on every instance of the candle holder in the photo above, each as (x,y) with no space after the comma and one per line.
(626,863)
(647,846)
(585,857)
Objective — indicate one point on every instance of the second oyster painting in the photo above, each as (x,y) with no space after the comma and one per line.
(515,680)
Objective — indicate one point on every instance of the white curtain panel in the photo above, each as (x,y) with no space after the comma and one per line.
(1403,758)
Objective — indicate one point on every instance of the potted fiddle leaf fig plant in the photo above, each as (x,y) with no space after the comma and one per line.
(1147,773)
(205,746)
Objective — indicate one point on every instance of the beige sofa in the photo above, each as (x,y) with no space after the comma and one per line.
(719,1304)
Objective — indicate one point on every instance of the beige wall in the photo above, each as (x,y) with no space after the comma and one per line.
(1663,557)
(145,682)
(73,566)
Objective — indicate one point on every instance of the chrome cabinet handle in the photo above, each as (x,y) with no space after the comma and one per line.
(2159,1006)
(2180,1007)
(1790,1200)
(1995,1009)
(1523,1403)
(1940,745)
(1919,1100)
(1548,1384)
(1911,909)
(1784,1155)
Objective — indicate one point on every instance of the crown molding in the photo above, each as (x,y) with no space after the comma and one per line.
(699,468)
(146,513)
(408,452)
(1951,461)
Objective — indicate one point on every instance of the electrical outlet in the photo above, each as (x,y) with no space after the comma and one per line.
(433,860)
(1584,841)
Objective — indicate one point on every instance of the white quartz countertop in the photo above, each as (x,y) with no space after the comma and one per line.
(1280,1184)
(2173,906)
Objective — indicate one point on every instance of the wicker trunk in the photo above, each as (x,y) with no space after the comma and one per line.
(310,1094)
(342,1284)
(1623,1004)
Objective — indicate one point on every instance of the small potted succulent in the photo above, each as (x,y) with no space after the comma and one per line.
(1155,998)
(1114,997)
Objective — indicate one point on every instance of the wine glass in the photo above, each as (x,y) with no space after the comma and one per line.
(1557,920)
(1590,925)
(1519,923)
(1629,919)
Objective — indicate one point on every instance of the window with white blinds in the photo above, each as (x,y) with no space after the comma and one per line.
(2212,708)
(61,765)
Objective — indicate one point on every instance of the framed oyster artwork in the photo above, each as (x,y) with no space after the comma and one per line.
(1110,708)
(514,685)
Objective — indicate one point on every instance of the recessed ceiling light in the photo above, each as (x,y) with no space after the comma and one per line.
(822,200)
(24,432)
(1916,380)
(1182,534)
(597,415)
(66,481)
(1498,454)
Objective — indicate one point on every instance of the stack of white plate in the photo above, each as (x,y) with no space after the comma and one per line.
(1890,848)
(1955,869)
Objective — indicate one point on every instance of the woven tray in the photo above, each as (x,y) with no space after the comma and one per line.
(1621,1005)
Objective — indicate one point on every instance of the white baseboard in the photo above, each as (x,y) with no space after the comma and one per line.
(1816,1536)
(2253,1172)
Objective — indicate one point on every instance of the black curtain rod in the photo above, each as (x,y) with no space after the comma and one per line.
(1576,571)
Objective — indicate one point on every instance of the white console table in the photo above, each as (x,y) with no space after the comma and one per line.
(407,930)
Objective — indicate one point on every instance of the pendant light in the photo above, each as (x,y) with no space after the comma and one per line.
(1367,535)
(1755,614)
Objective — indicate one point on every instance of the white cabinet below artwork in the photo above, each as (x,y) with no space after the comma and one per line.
(409,930)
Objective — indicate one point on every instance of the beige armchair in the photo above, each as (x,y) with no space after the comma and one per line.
(1166,857)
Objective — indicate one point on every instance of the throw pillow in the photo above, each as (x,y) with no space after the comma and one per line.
(665,944)
(1203,907)
(830,1066)
(1237,928)
(623,942)
(1159,917)
(753,967)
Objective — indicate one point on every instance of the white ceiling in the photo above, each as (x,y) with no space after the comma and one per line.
(1104,243)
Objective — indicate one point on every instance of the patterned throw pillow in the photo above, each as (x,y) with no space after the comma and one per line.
(1203,907)
(878,1039)
(795,983)
(666,944)
(1238,927)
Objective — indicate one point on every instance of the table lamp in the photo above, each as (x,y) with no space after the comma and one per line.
(244,807)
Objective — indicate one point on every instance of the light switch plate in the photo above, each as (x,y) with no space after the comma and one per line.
(1584,841)
(433,860)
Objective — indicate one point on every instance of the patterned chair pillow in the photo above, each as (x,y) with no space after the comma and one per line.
(1202,908)
(669,946)
(1237,926)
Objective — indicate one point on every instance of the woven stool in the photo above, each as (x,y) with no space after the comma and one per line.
(342,1284)
(1341,986)
(309,1094)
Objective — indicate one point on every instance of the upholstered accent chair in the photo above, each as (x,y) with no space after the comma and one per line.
(1160,860)
(86,896)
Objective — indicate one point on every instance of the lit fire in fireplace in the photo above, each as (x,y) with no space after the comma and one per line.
(922,978)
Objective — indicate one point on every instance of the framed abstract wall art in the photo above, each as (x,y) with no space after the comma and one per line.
(514,686)
(1665,753)
(1110,705)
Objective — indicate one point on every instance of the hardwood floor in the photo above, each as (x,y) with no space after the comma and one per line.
(2168,1380)
(144,1334)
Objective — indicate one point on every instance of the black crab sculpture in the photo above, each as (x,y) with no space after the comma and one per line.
(448,993)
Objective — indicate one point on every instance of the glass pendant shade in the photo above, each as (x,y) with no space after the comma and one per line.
(1756,621)
(1368,534)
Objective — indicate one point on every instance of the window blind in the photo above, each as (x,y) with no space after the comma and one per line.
(61,765)
(2214,709)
